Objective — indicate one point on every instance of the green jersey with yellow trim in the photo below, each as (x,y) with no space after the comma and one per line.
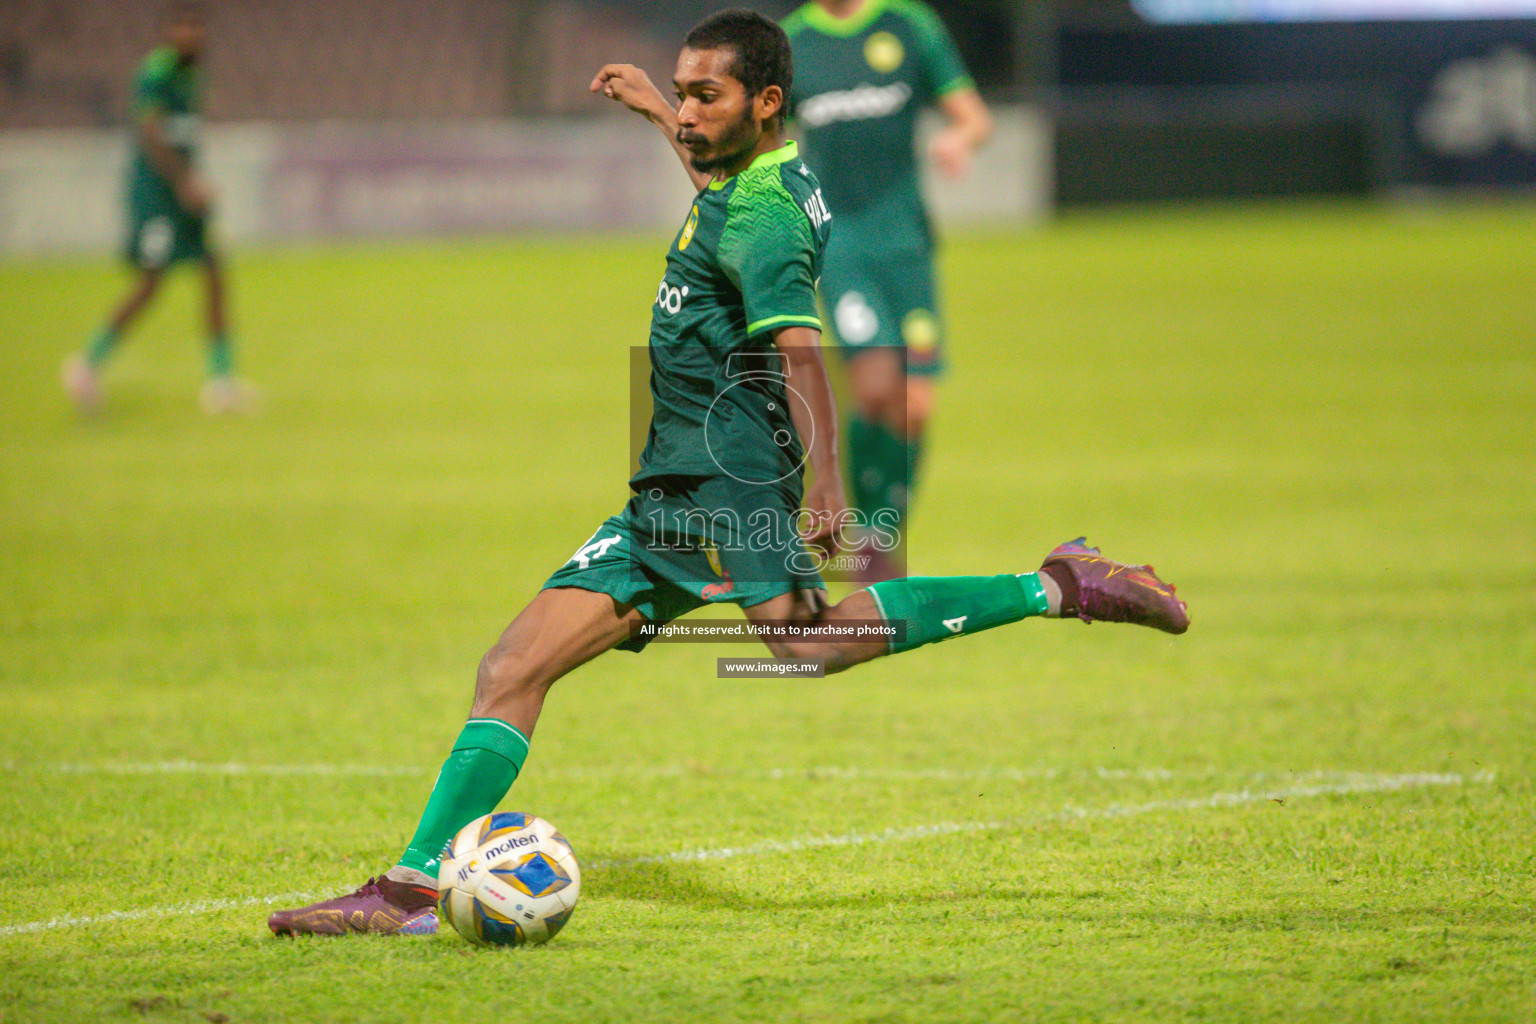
(744,264)
(859,85)
(166,87)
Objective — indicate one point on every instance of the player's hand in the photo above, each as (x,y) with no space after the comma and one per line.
(825,515)
(194,195)
(630,86)
(952,152)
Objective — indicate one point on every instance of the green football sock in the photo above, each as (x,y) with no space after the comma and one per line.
(863,480)
(878,464)
(485,761)
(939,607)
(914,452)
(100,346)
(221,356)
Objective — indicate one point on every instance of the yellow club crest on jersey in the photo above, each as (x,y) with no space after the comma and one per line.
(920,331)
(689,228)
(884,52)
(714,559)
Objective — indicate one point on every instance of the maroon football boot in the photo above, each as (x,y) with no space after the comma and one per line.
(382,907)
(1095,589)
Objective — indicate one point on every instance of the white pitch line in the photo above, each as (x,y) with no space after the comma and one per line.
(175,910)
(231,768)
(1360,783)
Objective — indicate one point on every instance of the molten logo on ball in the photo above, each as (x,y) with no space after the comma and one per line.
(507,879)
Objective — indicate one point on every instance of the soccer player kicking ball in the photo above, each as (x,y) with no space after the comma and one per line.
(864,70)
(738,379)
(168,210)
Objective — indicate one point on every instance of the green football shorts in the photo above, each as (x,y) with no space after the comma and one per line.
(680,545)
(160,232)
(877,297)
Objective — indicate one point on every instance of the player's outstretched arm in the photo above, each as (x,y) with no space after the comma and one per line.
(816,419)
(632,87)
(968,127)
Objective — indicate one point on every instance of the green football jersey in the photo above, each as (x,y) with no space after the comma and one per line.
(173,90)
(744,264)
(859,86)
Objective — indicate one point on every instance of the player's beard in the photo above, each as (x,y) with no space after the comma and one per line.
(735,142)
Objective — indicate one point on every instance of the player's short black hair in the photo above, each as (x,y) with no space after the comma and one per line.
(762,50)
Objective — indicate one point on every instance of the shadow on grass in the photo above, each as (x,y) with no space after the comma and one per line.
(690,884)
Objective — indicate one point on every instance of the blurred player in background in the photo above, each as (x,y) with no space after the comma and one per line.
(740,285)
(864,70)
(169,206)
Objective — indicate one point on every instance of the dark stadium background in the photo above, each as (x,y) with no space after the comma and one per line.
(1136,111)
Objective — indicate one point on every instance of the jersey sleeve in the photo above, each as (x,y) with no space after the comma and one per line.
(942,69)
(768,250)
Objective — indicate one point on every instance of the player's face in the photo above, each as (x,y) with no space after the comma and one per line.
(716,120)
(186,33)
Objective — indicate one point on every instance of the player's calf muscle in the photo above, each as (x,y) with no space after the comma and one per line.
(833,655)
(836,655)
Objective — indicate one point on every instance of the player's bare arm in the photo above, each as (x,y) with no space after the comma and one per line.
(631,86)
(817,421)
(968,127)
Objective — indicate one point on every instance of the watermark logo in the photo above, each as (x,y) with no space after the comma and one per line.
(736,523)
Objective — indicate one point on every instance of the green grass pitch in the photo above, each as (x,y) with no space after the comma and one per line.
(234,651)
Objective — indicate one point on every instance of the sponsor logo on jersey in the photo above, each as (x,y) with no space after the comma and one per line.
(862,103)
(720,589)
(920,331)
(670,299)
(884,52)
(689,228)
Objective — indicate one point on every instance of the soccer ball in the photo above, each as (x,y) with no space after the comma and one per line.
(506,879)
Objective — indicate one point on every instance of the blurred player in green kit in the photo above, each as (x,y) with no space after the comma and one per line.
(864,70)
(169,206)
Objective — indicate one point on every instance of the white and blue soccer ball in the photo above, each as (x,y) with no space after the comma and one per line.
(507,879)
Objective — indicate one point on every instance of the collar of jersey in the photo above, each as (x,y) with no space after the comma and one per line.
(784,153)
(817,17)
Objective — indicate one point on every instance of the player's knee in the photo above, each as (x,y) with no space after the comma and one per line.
(872,405)
(503,673)
(876,383)
(919,406)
